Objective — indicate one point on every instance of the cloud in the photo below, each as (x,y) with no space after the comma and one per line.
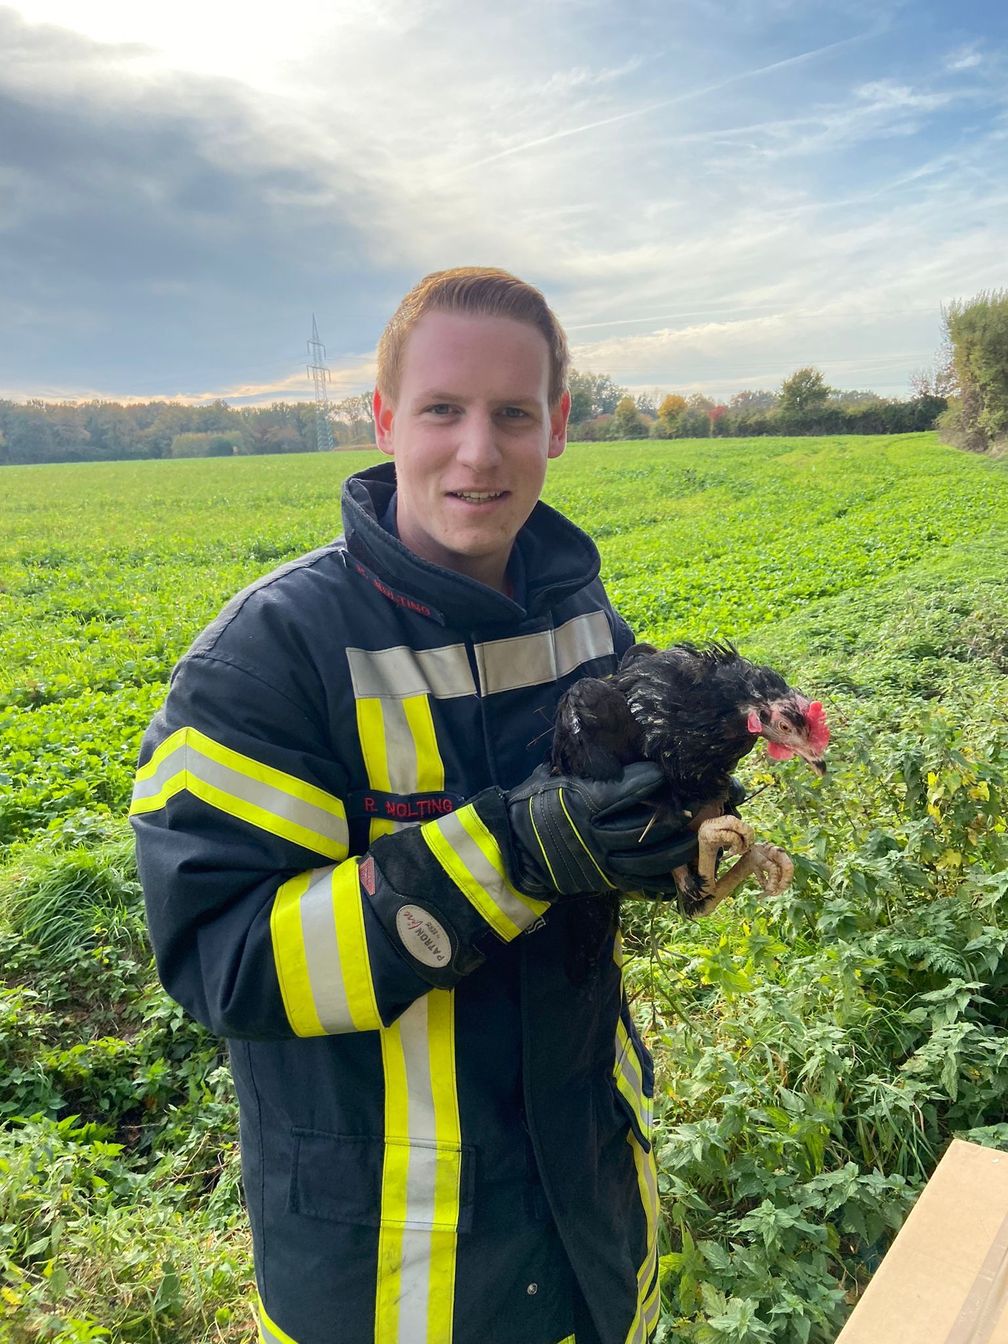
(744,185)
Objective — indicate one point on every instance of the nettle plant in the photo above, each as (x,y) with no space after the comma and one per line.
(815,1052)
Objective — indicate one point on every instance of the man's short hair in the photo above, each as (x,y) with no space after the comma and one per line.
(480,291)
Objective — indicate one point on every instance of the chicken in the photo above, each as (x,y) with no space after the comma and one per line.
(695,712)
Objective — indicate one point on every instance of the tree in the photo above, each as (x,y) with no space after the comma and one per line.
(671,406)
(806,390)
(693,423)
(206,443)
(627,422)
(978,335)
(747,400)
(592,395)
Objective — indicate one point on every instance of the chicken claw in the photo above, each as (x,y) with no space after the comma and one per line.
(769,864)
(772,868)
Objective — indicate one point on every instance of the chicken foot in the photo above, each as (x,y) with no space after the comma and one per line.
(769,864)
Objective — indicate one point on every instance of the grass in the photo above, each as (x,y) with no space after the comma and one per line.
(814,1052)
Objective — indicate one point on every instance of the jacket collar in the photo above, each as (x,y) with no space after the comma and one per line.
(559,560)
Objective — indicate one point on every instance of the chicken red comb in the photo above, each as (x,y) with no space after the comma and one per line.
(818,729)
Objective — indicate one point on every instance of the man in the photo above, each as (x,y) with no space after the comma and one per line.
(352,874)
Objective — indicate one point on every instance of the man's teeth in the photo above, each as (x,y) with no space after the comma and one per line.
(477,496)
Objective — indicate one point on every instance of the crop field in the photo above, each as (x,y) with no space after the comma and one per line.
(815,1052)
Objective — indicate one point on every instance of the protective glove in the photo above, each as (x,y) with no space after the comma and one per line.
(578,837)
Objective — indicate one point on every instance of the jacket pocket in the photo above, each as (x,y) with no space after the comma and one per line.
(633,1078)
(374,1182)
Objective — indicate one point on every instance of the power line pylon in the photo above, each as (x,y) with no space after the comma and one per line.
(318,372)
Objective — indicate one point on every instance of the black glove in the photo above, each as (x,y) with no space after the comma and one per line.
(576,837)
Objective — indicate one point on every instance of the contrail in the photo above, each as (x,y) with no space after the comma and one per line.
(665,102)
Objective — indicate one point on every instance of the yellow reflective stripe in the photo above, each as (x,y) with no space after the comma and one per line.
(351,939)
(371,732)
(629,1075)
(430,775)
(648,1284)
(321,954)
(421,1176)
(290,958)
(395,1169)
(242,787)
(400,750)
(560,795)
(470,856)
(476,828)
(448,1175)
(269,1331)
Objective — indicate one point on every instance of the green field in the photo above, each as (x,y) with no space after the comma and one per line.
(815,1052)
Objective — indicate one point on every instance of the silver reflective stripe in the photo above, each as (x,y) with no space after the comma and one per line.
(266,1334)
(400,748)
(485,873)
(399,672)
(265,800)
(420,1177)
(325,971)
(534,660)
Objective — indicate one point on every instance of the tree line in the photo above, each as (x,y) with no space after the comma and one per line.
(965,394)
(103,431)
(803,404)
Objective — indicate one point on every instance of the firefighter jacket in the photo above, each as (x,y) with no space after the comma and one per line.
(438,1122)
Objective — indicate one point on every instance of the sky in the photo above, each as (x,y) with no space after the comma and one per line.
(711,193)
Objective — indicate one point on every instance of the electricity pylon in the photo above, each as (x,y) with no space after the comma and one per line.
(318,372)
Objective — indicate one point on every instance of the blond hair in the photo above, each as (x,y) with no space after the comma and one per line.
(483,291)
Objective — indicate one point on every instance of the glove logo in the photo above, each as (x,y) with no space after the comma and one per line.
(422,936)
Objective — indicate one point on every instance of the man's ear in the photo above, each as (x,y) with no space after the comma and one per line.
(384,413)
(559,416)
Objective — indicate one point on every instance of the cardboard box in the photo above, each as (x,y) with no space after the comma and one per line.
(945,1278)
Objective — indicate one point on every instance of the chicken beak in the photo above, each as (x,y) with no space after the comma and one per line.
(818,766)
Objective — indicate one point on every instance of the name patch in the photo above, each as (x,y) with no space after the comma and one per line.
(422,936)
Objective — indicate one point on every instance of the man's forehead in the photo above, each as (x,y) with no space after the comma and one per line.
(444,348)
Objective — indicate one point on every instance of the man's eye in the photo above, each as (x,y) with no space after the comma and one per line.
(513,412)
(441,408)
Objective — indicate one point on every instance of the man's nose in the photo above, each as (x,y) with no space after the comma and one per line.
(478,440)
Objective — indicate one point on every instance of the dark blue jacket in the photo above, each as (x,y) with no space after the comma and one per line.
(439,1117)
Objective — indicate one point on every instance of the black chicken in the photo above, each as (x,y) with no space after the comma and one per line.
(696,713)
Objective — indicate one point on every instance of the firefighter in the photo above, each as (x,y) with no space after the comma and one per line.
(357,870)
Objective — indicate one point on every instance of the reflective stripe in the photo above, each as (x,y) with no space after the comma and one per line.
(371,734)
(321,955)
(269,1331)
(533,660)
(391,674)
(471,857)
(629,1077)
(400,750)
(421,1177)
(242,787)
(648,1284)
